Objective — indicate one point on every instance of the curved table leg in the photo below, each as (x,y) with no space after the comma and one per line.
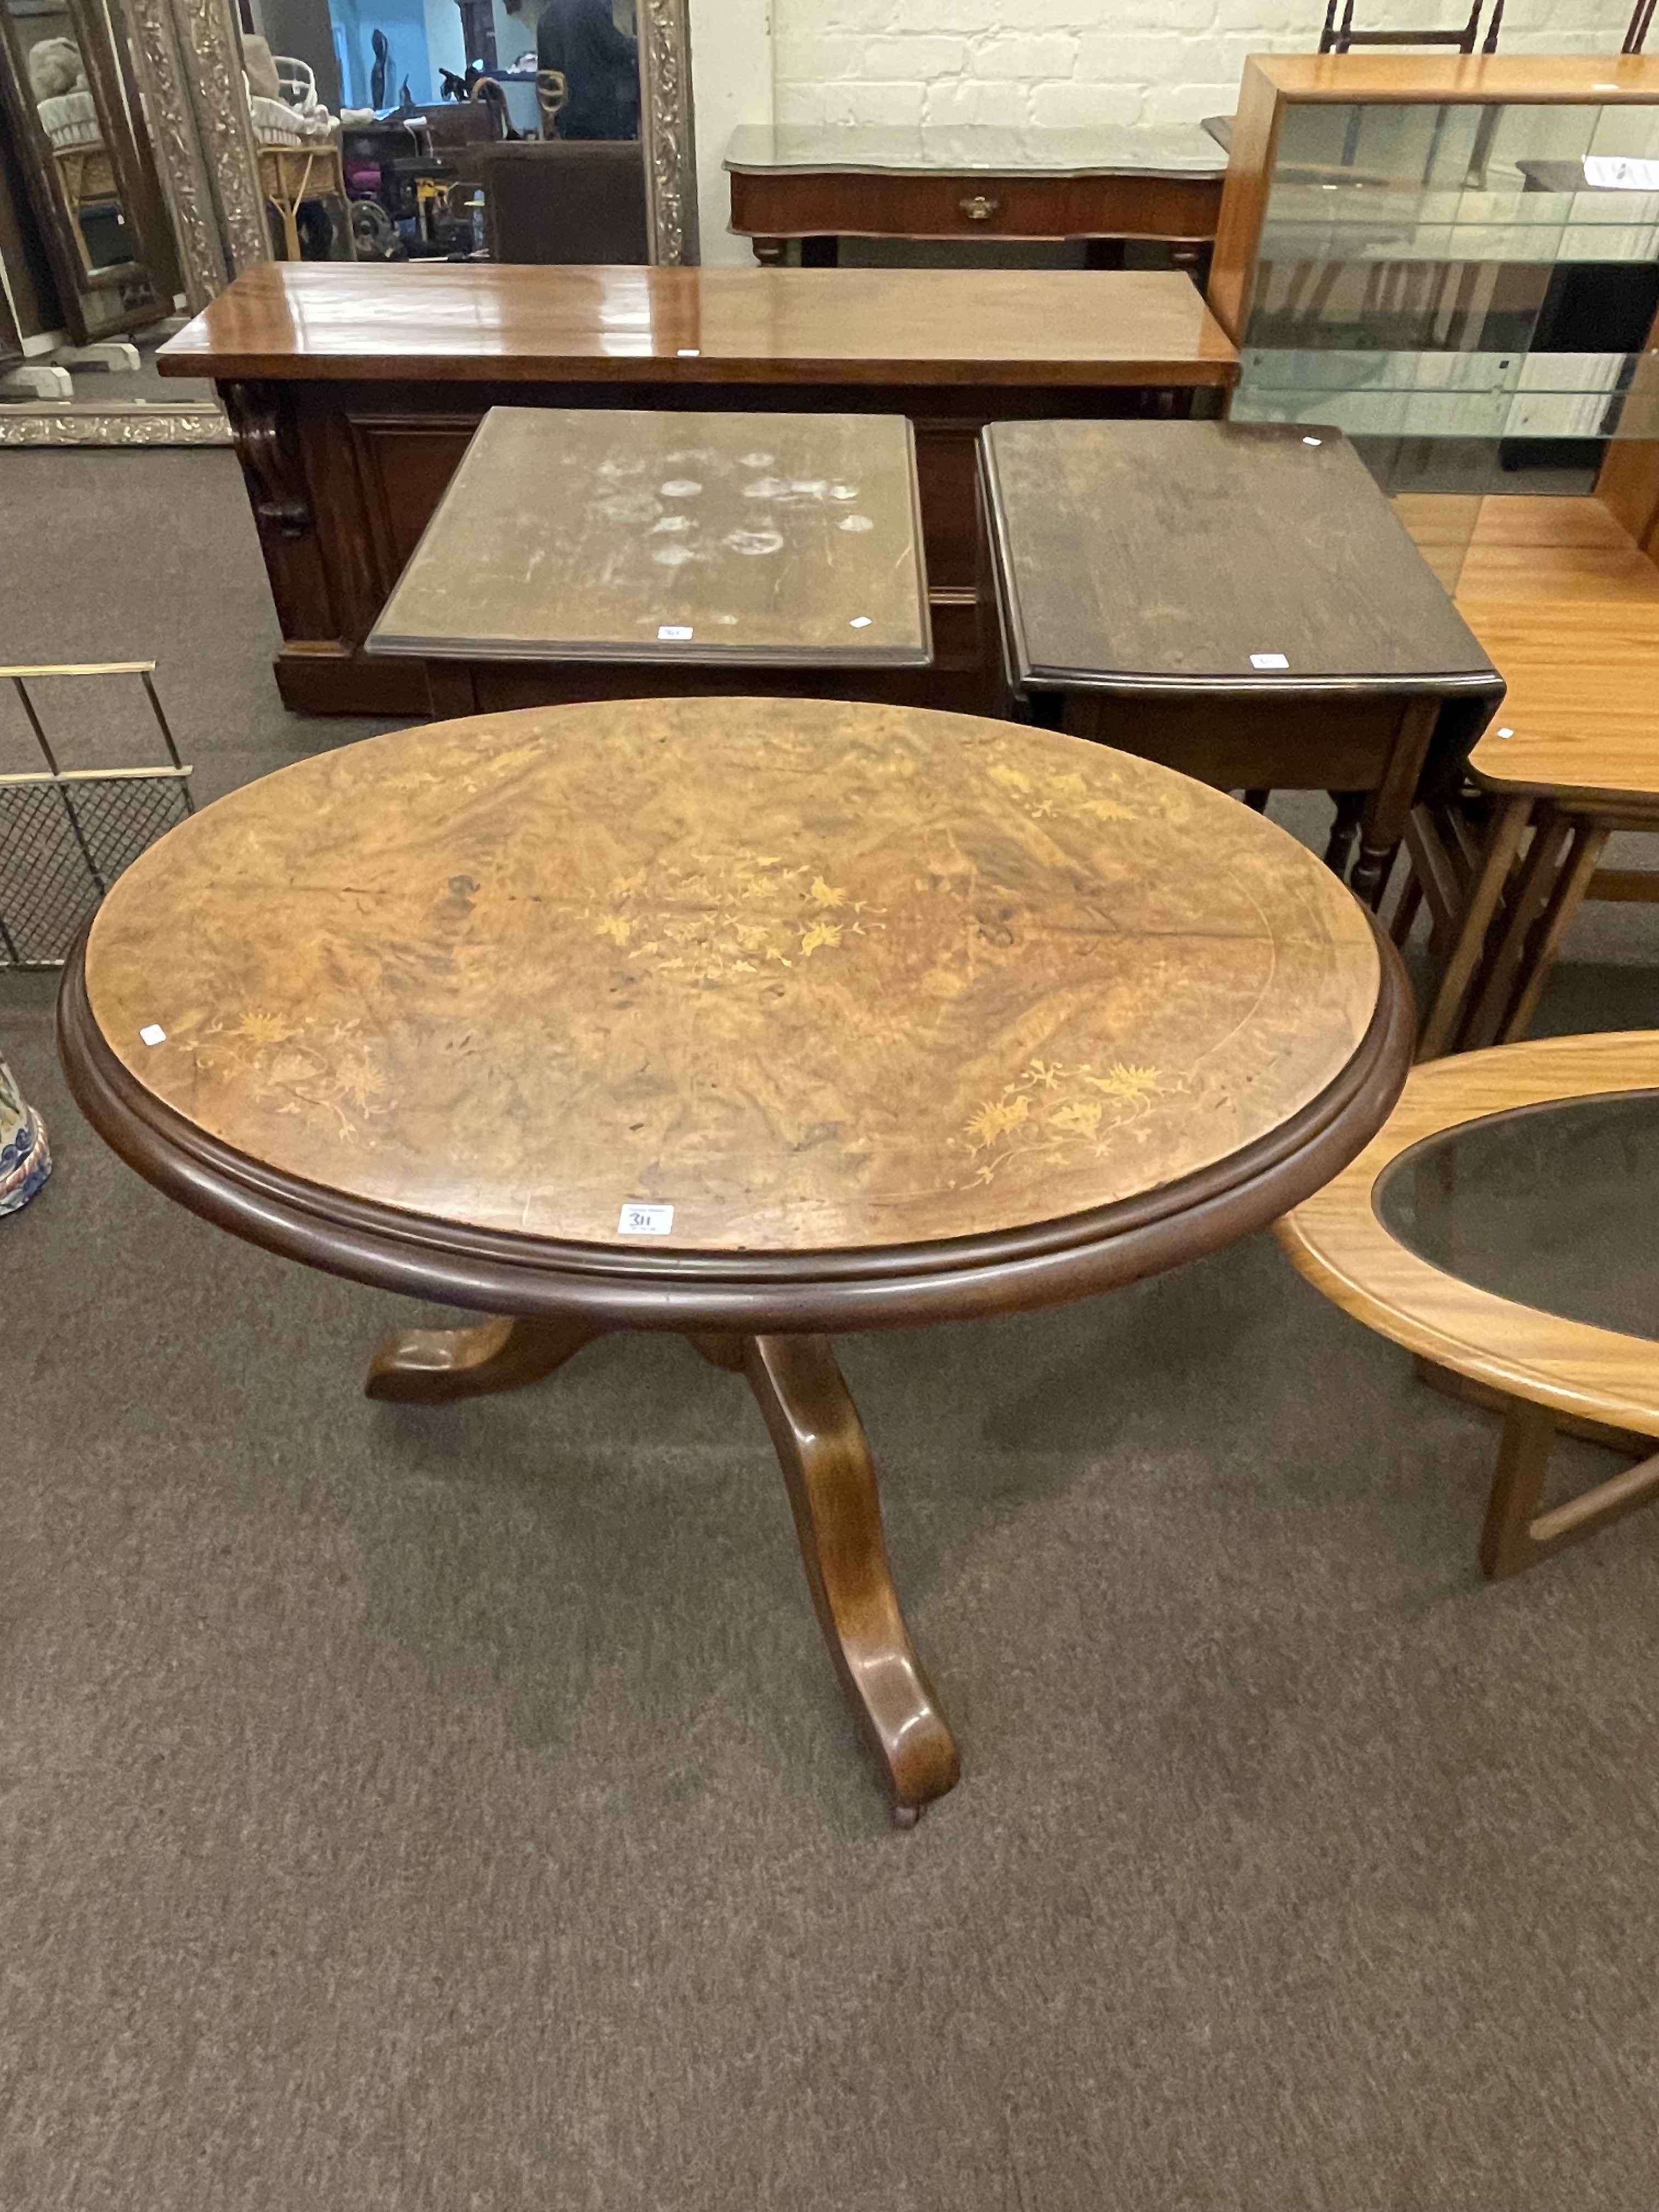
(430,1366)
(832,1488)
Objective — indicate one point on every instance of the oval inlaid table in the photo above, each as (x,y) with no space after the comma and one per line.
(750,1019)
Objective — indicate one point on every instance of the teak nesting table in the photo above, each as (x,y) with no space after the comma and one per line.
(1238,600)
(1500,1226)
(1572,759)
(353,389)
(575,548)
(752,1020)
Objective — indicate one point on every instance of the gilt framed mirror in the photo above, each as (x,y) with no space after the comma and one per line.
(65,103)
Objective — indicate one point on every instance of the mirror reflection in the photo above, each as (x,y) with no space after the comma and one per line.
(74,129)
(403,130)
(67,118)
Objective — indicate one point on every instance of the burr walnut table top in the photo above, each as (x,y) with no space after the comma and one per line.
(824,979)
(652,534)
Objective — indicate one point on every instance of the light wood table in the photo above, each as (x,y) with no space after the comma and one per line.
(1572,757)
(353,390)
(746,1020)
(1237,599)
(1500,1226)
(822,182)
(592,552)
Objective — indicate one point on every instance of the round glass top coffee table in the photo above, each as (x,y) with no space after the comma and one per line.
(750,1019)
(1504,1227)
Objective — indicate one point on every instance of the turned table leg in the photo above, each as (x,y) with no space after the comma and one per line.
(1386,811)
(1344,827)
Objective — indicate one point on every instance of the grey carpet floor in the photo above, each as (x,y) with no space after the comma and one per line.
(456,1810)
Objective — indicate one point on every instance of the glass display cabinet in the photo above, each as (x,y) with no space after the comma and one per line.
(1455,260)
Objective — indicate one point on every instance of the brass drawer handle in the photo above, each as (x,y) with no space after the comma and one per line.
(979,208)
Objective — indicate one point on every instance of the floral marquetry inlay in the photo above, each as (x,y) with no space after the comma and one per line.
(812,975)
(1049,1110)
(714,925)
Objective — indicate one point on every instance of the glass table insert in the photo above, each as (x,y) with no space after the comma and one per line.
(1553,1205)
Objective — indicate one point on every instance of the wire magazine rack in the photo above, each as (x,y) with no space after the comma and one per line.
(66,834)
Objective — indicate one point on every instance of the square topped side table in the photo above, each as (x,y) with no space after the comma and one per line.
(1238,601)
(583,553)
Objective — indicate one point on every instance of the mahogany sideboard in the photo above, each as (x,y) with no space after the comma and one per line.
(353,389)
(822,182)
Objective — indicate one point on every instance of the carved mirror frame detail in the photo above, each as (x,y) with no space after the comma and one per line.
(668,129)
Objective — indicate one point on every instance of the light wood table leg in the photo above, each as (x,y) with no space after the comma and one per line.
(1516,1534)
(1583,857)
(433,1366)
(1506,962)
(1502,843)
(832,1488)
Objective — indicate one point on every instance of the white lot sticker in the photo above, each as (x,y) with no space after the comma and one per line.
(153,1033)
(1313,441)
(636,1220)
(860,622)
(1268,660)
(689,353)
(672,630)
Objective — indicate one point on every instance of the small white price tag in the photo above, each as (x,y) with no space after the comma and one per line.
(689,353)
(673,630)
(1506,733)
(1268,660)
(153,1033)
(860,622)
(637,1220)
(1313,441)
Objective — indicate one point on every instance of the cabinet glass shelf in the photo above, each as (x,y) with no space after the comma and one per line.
(1468,286)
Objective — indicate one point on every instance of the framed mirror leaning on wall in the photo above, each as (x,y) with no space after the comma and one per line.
(520,130)
(73,114)
(67,108)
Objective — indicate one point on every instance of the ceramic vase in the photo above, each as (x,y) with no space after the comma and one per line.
(25,1162)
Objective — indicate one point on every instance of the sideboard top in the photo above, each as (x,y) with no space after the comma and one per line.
(493,322)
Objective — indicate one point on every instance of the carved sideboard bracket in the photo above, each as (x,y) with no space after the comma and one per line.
(272,469)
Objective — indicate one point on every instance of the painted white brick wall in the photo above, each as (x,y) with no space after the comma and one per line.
(1063,62)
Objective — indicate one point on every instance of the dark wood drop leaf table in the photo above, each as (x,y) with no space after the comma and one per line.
(751,1019)
(1238,600)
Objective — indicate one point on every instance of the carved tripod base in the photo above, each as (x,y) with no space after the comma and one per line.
(825,1457)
